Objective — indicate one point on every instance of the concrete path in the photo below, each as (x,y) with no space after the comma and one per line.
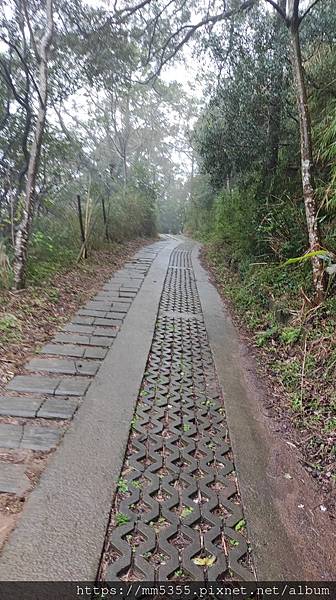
(163,471)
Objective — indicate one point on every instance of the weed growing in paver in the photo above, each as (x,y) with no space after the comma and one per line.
(136,484)
(206,561)
(134,422)
(121,519)
(233,543)
(240,525)
(188,510)
(186,427)
(122,486)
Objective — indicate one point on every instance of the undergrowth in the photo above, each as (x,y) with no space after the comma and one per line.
(296,343)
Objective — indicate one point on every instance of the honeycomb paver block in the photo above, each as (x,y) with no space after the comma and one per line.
(40,438)
(19,407)
(13,479)
(180,448)
(58,408)
(34,384)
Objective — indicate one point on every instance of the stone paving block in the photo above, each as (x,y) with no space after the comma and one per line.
(129,289)
(13,479)
(127,294)
(106,331)
(34,383)
(104,296)
(74,328)
(82,320)
(112,321)
(119,307)
(99,353)
(40,438)
(72,338)
(111,287)
(102,306)
(74,386)
(86,367)
(60,365)
(124,280)
(58,408)
(19,407)
(10,435)
(63,350)
(52,365)
(120,300)
(90,312)
(97,340)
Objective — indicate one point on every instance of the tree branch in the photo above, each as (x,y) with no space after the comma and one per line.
(24,64)
(277,8)
(191,30)
(307,11)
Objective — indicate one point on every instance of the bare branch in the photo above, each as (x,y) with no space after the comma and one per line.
(191,29)
(128,11)
(24,64)
(30,29)
(277,8)
(307,11)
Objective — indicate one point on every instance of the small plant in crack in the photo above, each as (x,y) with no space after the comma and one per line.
(122,486)
(136,484)
(121,519)
(240,525)
(186,427)
(134,422)
(233,543)
(188,510)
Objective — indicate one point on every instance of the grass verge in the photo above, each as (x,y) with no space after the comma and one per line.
(294,343)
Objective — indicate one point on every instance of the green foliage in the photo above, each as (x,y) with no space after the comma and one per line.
(122,486)
(290,335)
(121,519)
(10,328)
(5,266)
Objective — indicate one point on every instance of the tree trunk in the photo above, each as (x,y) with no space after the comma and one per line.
(24,229)
(107,235)
(82,230)
(306,157)
(276,101)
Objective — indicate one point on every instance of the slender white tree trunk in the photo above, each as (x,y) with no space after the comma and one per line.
(24,229)
(307,164)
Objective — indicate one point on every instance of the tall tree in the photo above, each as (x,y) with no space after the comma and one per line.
(293,19)
(41,50)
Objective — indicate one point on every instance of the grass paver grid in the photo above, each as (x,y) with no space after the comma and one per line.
(177,514)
